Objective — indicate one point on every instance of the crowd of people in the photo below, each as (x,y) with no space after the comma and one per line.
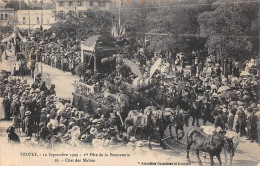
(224,93)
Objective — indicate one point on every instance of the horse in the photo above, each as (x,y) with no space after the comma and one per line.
(231,145)
(146,123)
(213,144)
(171,119)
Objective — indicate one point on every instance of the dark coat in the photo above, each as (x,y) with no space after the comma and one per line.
(193,111)
(15,108)
(7,105)
(28,123)
(30,105)
(252,121)
(43,119)
(219,122)
(43,88)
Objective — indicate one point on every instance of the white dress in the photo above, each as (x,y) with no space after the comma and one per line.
(2,109)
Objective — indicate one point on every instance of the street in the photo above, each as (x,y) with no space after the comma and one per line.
(247,154)
(63,80)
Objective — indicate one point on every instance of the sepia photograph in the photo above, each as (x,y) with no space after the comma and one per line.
(129,83)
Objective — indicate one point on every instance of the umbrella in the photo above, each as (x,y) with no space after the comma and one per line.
(230,94)
(155,66)
(223,88)
(244,73)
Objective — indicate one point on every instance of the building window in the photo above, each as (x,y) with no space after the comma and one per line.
(61,4)
(103,4)
(99,4)
(70,3)
(24,20)
(61,13)
(91,3)
(6,16)
(38,20)
(2,16)
(79,3)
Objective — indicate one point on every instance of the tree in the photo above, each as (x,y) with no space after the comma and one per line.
(179,21)
(227,27)
(81,26)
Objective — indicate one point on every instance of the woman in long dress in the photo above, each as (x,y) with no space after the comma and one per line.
(2,108)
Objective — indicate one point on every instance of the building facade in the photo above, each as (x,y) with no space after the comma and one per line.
(34,18)
(8,16)
(65,6)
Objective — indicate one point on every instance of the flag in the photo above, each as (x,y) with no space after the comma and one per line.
(114,31)
(118,31)
(134,68)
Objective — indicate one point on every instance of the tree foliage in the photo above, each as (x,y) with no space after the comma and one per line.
(227,27)
(223,28)
(81,26)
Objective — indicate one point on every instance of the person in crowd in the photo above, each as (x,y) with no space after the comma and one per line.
(219,121)
(52,90)
(194,113)
(206,114)
(7,105)
(241,123)
(28,123)
(43,87)
(15,111)
(252,125)
(191,95)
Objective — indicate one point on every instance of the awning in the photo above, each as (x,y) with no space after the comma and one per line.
(90,43)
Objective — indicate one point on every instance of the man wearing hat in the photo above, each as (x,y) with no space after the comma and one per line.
(252,125)
(43,117)
(206,113)
(30,104)
(241,124)
(15,110)
(219,120)
(7,104)
(28,123)
(194,113)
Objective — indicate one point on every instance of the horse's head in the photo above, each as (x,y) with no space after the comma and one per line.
(169,115)
(219,138)
(157,114)
(229,145)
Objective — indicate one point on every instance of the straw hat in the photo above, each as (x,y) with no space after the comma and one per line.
(132,139)
(27,113)
(93,130)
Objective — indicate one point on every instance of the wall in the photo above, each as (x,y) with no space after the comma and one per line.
(85,5)
(24,17)
(8,17)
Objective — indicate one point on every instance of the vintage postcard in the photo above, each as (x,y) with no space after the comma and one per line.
(129,82)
